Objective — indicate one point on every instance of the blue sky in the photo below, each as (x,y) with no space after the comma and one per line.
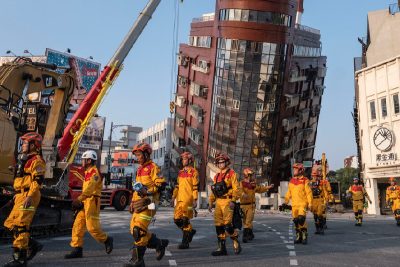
(141,94)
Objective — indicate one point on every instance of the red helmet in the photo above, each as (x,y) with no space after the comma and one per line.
(187,155)
(220,157)
(392,179)
(143,147)
(248,171)
(298,166)
(34,138)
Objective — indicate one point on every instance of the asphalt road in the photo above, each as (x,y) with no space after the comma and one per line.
(376,243)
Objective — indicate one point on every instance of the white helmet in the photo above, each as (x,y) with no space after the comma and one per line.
(89,154)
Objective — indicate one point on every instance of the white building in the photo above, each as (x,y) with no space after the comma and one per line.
(377,100)
(159,137)
(351,162)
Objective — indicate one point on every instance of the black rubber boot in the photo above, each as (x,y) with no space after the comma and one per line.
(109,244)
(398,221)
(236,245)
(251,234)
(321,225)
(324,226)
(191,235)
(245,237)
(20,258)
(298,237)
(221,250)
(159,245)
(33,248)
(75,253)
(317,228)
(137,257)
(304,236)
(185,240)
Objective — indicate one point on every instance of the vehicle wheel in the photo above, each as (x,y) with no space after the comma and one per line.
(120,201)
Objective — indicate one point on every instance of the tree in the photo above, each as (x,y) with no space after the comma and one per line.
(345,177)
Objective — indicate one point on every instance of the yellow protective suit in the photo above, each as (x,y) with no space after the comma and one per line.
(248,201)
(20,218)
(318,203)
(223,213)
(358,194)
(319,196)
(148,175)
(393,198)
(89,217)
(300,194)
(328,197)
(185,193)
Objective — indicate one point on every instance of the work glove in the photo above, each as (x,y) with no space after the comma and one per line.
(27,202)
(210,207)
(76,204)
(140,204)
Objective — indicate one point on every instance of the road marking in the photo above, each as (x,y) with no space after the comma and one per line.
(293,262)
(266,225)
(168,253)
(292,253)
(282,237)
(290,233)
(278,233)
(290,247)
(269,227)
(172,263)
(274,230)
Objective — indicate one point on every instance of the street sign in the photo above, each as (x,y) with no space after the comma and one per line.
(307,164)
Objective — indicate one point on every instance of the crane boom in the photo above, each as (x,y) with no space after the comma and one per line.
(73,132)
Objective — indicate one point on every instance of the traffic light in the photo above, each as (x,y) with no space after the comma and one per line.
(171,107)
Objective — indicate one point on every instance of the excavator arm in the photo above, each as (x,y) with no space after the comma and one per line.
(68,144)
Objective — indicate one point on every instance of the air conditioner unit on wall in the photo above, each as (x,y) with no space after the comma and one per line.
(180,101)
(204,92)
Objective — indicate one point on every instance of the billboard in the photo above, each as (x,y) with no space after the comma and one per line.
(92,139)
(87,72)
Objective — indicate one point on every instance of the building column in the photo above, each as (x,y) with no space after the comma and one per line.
(371,187)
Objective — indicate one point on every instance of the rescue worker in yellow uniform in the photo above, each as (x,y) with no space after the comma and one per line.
(143,206)
(87,209)
(329,198)
(186,194)
(300,194)
(393,198)
(249,189)
(225,192)
(358,194)
(319,194)
(29,177)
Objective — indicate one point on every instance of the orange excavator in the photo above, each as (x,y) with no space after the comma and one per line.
(19,82)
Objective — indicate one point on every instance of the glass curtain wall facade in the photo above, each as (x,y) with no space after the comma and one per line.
(248,83)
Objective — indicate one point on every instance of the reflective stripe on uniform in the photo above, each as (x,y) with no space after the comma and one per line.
(31,208)
(145,217)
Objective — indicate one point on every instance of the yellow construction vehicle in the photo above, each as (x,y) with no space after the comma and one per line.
(20,81)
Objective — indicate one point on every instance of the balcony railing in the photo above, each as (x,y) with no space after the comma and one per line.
(206,17)
(307,29)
